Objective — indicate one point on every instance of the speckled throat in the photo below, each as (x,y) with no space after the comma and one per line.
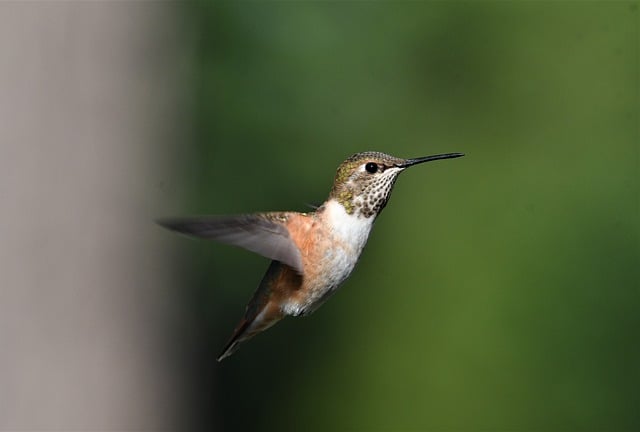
(368,198)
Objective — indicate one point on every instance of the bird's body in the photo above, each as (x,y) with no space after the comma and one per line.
(313,253)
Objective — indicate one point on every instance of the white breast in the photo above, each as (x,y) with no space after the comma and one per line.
(351,229)
(347,234)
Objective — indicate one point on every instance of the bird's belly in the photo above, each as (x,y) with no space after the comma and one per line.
(329,256)
(332,269)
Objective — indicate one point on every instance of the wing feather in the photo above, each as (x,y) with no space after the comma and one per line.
(265,234)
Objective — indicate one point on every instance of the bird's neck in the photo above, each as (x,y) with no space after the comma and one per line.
(350,227)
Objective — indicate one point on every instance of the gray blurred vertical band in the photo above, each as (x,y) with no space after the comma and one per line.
(85,100)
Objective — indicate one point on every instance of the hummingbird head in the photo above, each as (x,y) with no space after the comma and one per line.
(364,181)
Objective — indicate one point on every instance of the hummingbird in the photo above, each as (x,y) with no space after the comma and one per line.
(312,253)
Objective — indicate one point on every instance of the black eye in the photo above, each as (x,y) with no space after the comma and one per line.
(371,167)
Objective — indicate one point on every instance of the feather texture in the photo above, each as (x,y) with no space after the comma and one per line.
(265,234)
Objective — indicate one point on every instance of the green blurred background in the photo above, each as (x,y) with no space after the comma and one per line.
(499,291)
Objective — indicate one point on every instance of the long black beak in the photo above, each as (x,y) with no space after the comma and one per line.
(411,162)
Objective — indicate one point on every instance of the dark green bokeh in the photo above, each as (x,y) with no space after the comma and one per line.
(498,291)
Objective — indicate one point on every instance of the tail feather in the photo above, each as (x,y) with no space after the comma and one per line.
(263,309)
(234,342)
(239,335)
(248,328)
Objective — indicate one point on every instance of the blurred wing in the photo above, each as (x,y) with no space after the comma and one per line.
(265,234)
